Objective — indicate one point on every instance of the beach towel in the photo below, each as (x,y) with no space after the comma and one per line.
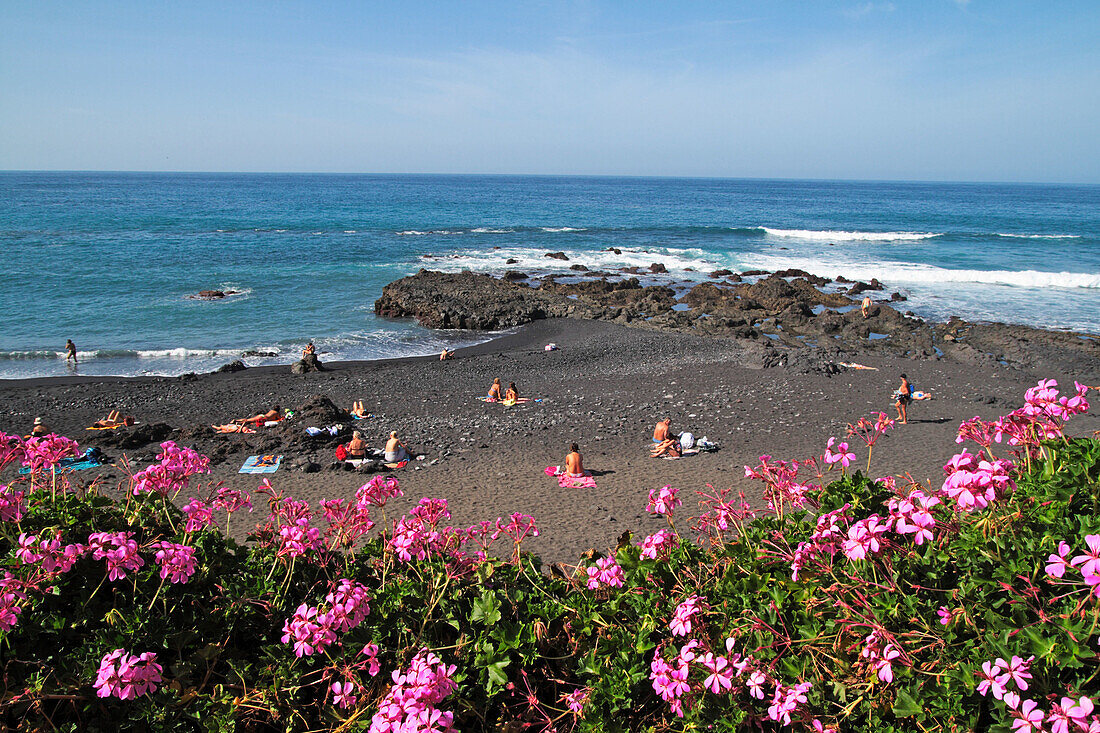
(113,427)
(91,458)
(231,428)
(571,482)
(399,464)
(507,403)
(261,464)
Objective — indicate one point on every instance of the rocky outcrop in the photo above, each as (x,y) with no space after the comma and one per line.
(308,363)
(213,294)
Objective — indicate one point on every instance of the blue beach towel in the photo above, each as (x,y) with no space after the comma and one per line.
(91,458)
(261,464)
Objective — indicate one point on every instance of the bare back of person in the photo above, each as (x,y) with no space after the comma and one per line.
(574,466)
(660,433)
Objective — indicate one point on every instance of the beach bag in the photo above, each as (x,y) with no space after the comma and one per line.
(341,453)
(687,440)
(705,445)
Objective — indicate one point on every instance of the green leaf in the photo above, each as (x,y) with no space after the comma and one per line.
(486,609)
(905,706)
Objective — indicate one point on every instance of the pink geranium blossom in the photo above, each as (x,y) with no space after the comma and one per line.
(127,676)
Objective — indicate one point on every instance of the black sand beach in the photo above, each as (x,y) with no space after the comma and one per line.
(604,388)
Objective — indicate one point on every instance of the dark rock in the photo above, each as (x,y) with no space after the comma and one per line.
(511,261)
(233,366)
(862,287)
(515,276)
(616,250)
(556,256)
(578,268)
(752,273)
(213,294)
(657,267)
(842,280)
(308,363)
(721,273)
(897,297)
(253,352)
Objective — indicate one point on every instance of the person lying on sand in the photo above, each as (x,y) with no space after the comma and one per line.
(494,391)
(396,451)
(667,447)
(356,447)
(574,465)
(446,354)
(511,394)
(661,431)
(358,410)
(114,419)
(273,414)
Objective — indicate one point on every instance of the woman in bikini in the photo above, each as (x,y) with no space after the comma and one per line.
(358,410)
(510,394)
(494,391)
(113,420)
(356,447)
(904,395)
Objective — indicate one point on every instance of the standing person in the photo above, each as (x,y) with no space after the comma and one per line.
(661,431)
(70,351)
(574,465)
(904,395)
(865,305)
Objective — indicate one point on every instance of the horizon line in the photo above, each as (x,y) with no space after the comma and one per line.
(961,182)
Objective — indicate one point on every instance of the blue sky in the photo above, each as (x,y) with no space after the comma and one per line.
(926,90)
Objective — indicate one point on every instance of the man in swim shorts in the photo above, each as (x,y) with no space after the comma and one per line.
(70,351)
(865,305)
(396,451)
(660,433)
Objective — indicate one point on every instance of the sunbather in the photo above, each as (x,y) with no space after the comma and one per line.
(275,413)
(511,394)
(358,410)
(494,391)
(574,464)
(446,354)
(356,447)
(396,451)
(661,431)
(114,419)
(667,447)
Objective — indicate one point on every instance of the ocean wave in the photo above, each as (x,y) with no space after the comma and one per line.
(563,229)
(487,230)
(1037,236)
(929,274)
(418,233)
(820,235)
(531,259)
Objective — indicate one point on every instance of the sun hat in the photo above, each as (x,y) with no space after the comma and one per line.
(38,421)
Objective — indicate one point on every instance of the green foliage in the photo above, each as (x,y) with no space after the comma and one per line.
(522,639)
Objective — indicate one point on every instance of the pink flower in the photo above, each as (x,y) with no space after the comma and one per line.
(119,550)
(755,683)
(721,674)
(370,651)
(43,454)
(344,694)
(993,680)
(127,676)
(680,625)
(659,544)
(1017,670)
(199,515)
(576,699)
(606,572)
(12,507)
(663,501)
(842,456)
(1057,564)
(177,562)
(1028,718)
(944,614)
(1090,561)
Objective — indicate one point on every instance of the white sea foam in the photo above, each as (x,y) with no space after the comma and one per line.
(563,229)
(928,274)
(535,260)
(418,233)
(1038,236)
(816,235)
(487,230)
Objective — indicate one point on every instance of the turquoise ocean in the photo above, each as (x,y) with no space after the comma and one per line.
(109,259)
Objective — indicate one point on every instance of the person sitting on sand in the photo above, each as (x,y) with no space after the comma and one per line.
(661,431)
(446,354)
(274,413)
(494,391)
(356,447)
(396,451)
(114,419)
(358,410)
(39,428)
(511,395)
(574,465)
(667,447)
(903,395)
(865,306)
